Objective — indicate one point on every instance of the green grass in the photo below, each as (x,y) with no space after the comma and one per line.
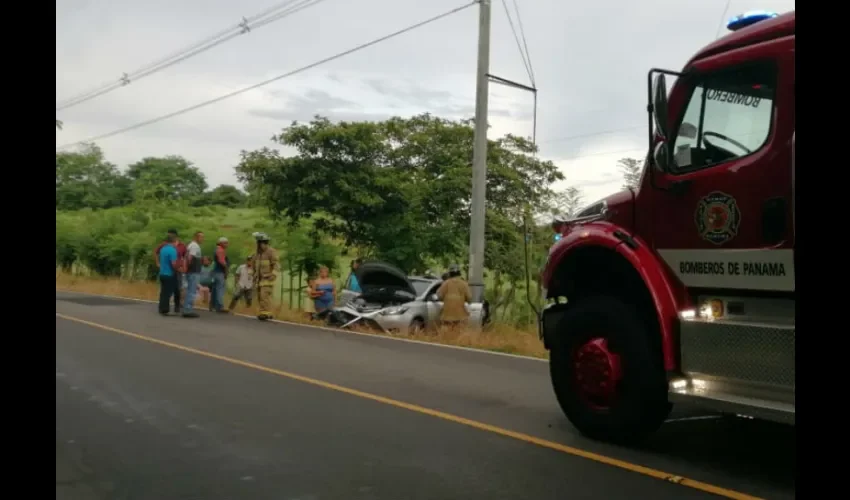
(101,233)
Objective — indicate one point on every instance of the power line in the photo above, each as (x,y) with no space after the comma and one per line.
(525,44)
(592,134)
(274,79)
(244,27)
(268,16)
(722,19)
(525,61)
(240,28)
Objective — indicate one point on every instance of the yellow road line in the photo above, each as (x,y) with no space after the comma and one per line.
(647,471)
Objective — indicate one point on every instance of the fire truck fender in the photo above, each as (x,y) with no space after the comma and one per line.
(646,264)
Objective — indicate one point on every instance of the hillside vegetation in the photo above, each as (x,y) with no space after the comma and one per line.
(397,191)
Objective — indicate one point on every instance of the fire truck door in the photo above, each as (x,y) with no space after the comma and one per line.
(723,211)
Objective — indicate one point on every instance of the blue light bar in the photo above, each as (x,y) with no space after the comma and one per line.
(748,19)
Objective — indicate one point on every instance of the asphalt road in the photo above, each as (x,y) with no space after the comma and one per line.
(230,408)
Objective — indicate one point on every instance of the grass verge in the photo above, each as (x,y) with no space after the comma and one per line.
(495,337)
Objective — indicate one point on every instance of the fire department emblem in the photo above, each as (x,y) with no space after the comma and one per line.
(718,218)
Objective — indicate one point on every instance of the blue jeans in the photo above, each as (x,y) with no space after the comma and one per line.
(192,281)
(218,288)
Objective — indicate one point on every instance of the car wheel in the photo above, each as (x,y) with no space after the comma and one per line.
(607,377)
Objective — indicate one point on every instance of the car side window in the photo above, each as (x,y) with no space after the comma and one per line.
(729,115)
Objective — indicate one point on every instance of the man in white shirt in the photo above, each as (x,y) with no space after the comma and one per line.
(194,264)
(244,284)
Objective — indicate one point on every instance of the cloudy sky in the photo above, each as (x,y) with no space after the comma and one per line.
(590,61)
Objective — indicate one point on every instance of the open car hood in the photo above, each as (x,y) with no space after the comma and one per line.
(382,279)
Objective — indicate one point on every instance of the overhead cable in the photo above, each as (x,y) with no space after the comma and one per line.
(525,44)
(276,13)
(525,61)
(274,79)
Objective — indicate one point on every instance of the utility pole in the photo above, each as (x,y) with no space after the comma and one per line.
(479,156)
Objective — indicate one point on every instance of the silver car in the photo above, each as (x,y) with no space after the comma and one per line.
(393,302)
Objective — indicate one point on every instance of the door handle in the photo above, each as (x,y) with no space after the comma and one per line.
(774,220)
(680,187)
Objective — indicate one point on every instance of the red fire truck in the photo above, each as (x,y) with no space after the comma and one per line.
(682,289)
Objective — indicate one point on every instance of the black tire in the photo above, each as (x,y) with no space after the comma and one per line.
(640,403)
(416,326)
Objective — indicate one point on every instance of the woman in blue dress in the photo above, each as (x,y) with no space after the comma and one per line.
(323,291)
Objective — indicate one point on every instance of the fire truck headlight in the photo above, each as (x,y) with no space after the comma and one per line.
(712,309)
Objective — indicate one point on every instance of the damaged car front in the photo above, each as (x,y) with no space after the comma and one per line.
(392,302)
(388,301)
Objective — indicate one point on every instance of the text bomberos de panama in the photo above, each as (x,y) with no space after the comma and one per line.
(733,268)
(732,98)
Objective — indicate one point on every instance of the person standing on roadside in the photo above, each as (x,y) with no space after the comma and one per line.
(221,266)
(168,283)
(178,271)
(265,275)
(194,264)
(454,293)
(244,284)
(323,290)
(352,283)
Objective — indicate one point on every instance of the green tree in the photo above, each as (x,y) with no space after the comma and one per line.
(305,251)
(631,170)
(169,178)
(565,202)
(84,179)
(399,188)
(224,195)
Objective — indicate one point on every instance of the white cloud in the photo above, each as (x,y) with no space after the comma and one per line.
(590,60)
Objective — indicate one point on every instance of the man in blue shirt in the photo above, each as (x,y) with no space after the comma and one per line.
(169,285)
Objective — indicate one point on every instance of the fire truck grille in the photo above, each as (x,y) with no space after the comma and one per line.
(752,353)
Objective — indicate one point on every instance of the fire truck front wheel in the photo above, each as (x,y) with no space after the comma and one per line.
(606,375)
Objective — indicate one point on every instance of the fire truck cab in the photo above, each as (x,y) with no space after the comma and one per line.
(682,289)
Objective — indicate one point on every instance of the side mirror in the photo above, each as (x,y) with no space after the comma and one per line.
(661,156)
(659,104)
(433,297)
(688,130)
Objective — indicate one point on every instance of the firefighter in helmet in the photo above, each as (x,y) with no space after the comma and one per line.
(455,294)
(265,274)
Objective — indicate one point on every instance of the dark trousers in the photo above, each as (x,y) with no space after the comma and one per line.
(178,287)
(168,286)
(242,293)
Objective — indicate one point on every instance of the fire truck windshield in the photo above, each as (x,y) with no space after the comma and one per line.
(728,115)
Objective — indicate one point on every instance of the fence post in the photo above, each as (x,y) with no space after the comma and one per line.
(299,288)
(291,282)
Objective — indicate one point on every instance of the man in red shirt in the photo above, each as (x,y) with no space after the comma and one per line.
(181,255)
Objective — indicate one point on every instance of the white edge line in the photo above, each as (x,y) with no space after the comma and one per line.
(336,330)
(689,419)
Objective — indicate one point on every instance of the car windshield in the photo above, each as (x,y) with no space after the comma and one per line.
(421,286)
